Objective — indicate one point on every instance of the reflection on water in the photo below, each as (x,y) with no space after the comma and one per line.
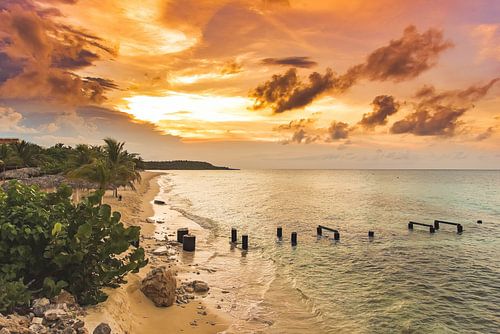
(401,281)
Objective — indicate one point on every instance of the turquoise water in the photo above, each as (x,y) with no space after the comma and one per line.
(400,282)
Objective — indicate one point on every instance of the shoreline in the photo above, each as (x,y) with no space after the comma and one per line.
(127,310)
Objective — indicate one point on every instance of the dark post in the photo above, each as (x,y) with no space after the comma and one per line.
(234,235)
(410,226)
(479,221)
(294,238)
(336,236)
(244,241)
(460,229)
(189,242)
(279,232)
(181,232)
(432,229)
(436,225)
(319,231)
(371,234)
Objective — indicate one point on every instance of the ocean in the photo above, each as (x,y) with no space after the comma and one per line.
(400,281)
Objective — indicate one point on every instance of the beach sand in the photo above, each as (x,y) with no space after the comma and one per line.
(127,310)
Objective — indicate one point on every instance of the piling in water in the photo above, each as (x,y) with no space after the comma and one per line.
(460,229)
(181,232)
(410,226)
(189,242)
(319,231)
(234,235)
(279,232)
(294,238)
(244,241)
(371,234)
(432,229)
(479,221)
(336,236)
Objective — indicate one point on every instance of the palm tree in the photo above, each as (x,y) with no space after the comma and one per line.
(110,166)
(27,153)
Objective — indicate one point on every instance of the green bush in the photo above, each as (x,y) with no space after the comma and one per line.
(49,243)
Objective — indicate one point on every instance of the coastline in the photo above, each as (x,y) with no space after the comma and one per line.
(127,310)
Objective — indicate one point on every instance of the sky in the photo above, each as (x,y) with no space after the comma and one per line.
(258,83)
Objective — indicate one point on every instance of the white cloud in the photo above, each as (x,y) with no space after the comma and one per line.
(10,121)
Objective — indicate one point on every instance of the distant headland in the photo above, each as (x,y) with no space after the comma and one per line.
(182,165)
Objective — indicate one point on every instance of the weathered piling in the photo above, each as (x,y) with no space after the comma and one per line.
(460,228)
(279,232)
(244,241)
(234,235)
(319,231)
(294,238)
(181,232)
(479,221)
(371,234)
(431,227)
(336,235)
(159,202)
(189,242)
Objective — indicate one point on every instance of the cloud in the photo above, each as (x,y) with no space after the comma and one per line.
(403,59)
(338,130)
(383,107)
(10,121)
(485,135)
(438,114)
(488,38)
(303,62)
(39,54)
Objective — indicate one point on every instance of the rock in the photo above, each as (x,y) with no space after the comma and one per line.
(200,286)
(37,321)
(161,251)
(38,328)
(65,298)
(4,331)
(102,328)
(159,286)
(82,330)
(40,306)
(69,330)
(55,314)
(150,220)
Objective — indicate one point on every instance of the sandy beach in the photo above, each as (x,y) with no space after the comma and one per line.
(127,310)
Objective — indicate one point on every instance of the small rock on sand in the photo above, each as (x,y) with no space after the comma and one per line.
(163,250)
(102,328)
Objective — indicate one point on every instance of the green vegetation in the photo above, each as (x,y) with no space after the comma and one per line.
(48,243)
(181,164)
(108,167)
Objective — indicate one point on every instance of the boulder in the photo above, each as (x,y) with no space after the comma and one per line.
(55,314)
(102,328)
(159,286)
(40,306)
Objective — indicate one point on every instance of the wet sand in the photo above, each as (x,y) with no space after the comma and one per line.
(127,310)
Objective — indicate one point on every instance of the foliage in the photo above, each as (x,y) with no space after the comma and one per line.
(12,294)
(49,243)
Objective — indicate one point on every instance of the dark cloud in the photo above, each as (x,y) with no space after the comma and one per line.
(383,107)
(231,67)
(338,130)
(303,131)
(303,62)
(402,59)
(38,54)
(105,83)
(287,91)
(438,114)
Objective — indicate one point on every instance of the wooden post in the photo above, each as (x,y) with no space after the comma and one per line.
(294,238)
(319,231)
(244,241)
(336,236)
(410,226)
(181,232)
(432,229)
(460,229)
(189,242)
(279,232)
(479,221)
(234,235)
(371,234)
(436,225)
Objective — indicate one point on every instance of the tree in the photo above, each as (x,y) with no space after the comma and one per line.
(27,153)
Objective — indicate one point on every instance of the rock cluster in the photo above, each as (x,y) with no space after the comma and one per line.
(56,316)
(186,291)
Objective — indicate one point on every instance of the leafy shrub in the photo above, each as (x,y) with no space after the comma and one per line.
(50,243)
(13,293)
